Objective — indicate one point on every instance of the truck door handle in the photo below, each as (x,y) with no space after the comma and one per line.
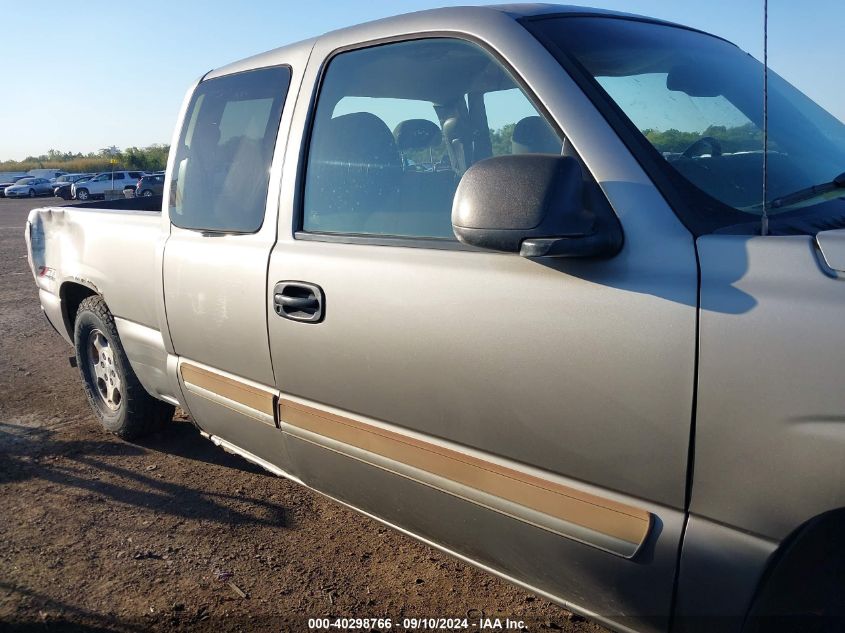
(296,303)
(299,301)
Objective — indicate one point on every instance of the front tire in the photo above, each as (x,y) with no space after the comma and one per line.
(81,194)
(119,401)
(32,193)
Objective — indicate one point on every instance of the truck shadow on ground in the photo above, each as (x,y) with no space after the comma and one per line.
(141,475)
(70,618)
(182,439)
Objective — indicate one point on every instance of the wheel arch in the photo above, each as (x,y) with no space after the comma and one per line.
(71,294)
(807,567)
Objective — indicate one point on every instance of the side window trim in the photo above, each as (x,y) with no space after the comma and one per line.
(433,243)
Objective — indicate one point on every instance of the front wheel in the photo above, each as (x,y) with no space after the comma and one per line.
(117,397)
(81,194)
(32,193)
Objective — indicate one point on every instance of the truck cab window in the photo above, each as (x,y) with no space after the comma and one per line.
(397,125)
(222,167)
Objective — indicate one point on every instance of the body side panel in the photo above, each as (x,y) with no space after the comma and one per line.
(770,431)
(145,349)
(108,251)
(534,496)
(234,413)
(117,255)
(52,306)
(214,290)
(658,284)
(625,593)
(719,572)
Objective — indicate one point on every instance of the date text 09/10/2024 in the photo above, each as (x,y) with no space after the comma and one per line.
(417,624)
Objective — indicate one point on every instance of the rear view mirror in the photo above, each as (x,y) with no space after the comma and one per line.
(690,80)
(531,204)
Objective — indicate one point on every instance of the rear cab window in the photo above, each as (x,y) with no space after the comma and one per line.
(222,166)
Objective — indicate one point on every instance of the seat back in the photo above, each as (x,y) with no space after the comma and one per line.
(354,170)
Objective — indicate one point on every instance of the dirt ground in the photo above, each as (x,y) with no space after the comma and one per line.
(171,533)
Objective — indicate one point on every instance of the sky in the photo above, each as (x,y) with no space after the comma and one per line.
(106,73)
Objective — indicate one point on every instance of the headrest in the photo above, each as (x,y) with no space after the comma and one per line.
(356,138)
(455,128)
(354,168)
(532,135)
(416,134)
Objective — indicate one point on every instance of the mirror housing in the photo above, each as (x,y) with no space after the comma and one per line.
(531,204)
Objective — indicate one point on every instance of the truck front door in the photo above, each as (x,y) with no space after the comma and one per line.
(530,416)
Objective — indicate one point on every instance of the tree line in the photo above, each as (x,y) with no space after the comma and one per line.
(151,158)
(742,138)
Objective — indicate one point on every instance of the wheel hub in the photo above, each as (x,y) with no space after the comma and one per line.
(101,360)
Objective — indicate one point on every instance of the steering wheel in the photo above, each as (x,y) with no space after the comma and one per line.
(701,145)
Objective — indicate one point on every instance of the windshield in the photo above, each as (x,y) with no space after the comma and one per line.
(698,102)
(25,181)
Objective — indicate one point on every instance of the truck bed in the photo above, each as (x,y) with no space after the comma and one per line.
(108,247)
(151,204)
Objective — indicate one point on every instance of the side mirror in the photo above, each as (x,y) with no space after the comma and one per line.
(531,204)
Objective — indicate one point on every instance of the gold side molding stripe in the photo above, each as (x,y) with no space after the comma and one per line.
(608,517)
(253,397)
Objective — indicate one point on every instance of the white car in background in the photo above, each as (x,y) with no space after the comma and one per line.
(107,181)
(49,174)
(62,184)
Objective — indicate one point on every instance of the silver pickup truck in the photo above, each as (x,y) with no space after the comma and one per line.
(505,279)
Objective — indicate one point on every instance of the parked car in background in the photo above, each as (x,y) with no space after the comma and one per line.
(8,181)
(150,185)
(62,184)
(30,187)
(46,173)
(107,181)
